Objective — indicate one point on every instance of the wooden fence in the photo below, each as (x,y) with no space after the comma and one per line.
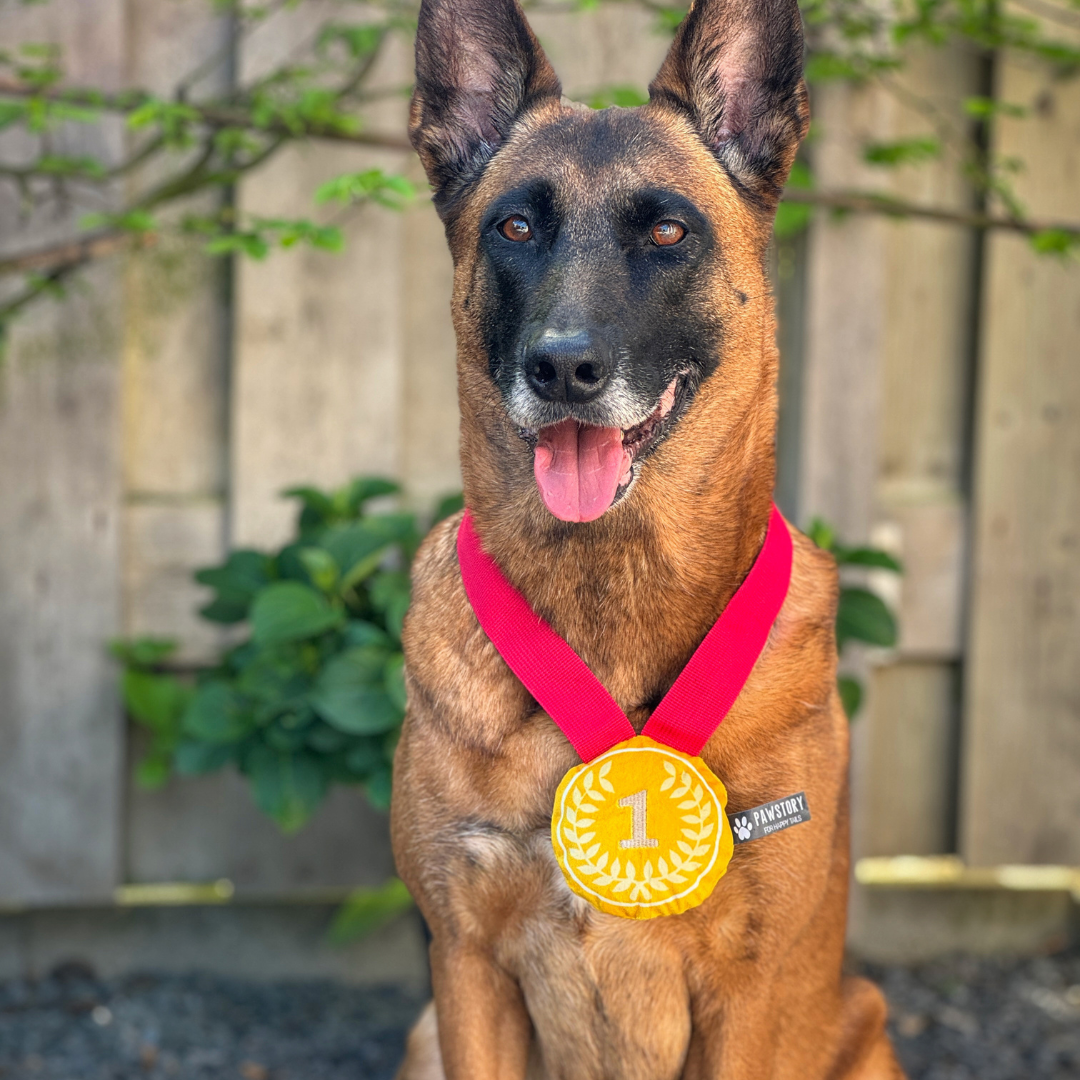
(931,402)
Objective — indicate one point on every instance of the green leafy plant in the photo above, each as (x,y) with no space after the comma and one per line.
(861,615)
(315,693)
(366,910)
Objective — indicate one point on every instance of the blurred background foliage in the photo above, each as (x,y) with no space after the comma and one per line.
(197,140)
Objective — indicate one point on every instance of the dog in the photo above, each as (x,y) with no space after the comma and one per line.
(617,381)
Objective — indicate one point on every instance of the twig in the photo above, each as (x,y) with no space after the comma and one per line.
(215,116)
(870,203)
(70,253)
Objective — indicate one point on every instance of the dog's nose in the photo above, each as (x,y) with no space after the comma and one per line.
(566,366)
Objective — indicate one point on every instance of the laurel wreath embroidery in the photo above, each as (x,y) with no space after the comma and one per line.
(626,878)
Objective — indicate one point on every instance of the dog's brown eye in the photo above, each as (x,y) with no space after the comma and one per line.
(667,233)
(516,228)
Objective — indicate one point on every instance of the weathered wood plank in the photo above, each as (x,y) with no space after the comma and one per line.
(317,377)
(908,798)
(205,828)
(886,355)
(176,356)
(60,772)
(1021,792)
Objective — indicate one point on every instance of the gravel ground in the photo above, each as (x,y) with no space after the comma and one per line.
(958,1019)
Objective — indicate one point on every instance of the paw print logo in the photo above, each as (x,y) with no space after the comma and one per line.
(743,829)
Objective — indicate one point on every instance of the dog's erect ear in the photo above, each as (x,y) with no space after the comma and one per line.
(478,69)
(735,69)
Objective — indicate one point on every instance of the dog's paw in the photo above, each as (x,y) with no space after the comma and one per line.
(743,829)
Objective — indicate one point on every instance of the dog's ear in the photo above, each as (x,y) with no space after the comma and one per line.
(478,69)
(735,68)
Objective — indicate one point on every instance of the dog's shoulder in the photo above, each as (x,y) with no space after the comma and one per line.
(815,583)
(439,613)
(450,661)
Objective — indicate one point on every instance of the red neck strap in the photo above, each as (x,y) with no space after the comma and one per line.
(573,696)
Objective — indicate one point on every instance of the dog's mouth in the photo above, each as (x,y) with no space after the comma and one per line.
(582,470)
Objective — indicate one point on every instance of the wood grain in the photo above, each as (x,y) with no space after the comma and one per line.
(1021,792)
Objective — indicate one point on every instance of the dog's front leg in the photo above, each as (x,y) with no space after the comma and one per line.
(484,1029)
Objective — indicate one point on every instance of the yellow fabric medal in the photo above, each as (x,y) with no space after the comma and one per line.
(639,828)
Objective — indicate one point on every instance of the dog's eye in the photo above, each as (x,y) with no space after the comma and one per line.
(516,229)
(666,233)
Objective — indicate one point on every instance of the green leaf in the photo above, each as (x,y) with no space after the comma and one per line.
(368,909)
(867,556)
(822,534)
(850,694)
(287,787)
(791,219)
(325,739)
(285,736)
(135,221)
(358,632)
(11,112)
(360,40)
(863,616)
(668,18)
(290,611)
(395,680)
(60,165)
(154,770)
(350,693)
(157,701)
(624,97)
(390,595)
(194,758)
(378,788)
(984,108)
(393,192)
(364,757)
(800,178)
(312,499)
(447,505)
(142,652)
(252,244)
(369,487)
(322,568)
(357,548)
(911,151)
(1054,241)
(236,582)
(214,715)
(174,120)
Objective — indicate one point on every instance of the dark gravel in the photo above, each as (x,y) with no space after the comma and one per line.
(71,1026)
(986,1019)
(957,1019)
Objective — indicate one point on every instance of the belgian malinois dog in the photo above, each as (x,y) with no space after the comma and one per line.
(617,374)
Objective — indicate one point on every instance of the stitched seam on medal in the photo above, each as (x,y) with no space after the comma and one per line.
(596,795)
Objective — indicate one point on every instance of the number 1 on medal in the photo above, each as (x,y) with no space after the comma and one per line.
(638,828)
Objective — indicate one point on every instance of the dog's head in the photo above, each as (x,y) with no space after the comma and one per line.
(605,259)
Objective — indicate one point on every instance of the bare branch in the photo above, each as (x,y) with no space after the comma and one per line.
(869,203)
(68,253)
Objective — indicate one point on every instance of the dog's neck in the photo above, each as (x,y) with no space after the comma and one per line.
(635,591)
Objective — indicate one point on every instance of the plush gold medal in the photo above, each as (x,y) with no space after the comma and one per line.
(641,831)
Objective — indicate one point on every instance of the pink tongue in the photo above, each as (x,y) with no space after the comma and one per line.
(579,468)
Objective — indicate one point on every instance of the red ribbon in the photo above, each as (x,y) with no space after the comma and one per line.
(572,695)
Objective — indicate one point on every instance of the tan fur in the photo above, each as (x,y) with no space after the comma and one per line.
(528,979)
